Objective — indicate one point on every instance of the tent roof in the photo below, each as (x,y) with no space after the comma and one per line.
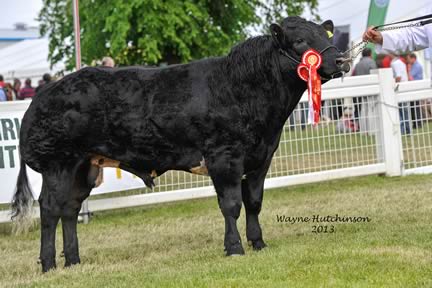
(27,57)
(18,34)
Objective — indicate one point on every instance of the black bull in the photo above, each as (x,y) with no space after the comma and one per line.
(222,116)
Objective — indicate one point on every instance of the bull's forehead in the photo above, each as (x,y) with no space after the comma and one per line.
(300,26)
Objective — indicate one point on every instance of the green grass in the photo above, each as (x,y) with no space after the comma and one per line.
(180,244)
(417,147)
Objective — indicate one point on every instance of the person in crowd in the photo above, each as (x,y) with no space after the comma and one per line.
(400,40)
(46,78)
(28,91)
(3,96)
(366,63)
(400,74)
(415,72)
(10,92)
(383,60)
(16,86)
(416,69)
(107,62)
(2,84)
(363,67)
(346,123)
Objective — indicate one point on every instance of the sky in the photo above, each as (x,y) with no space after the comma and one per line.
(342,12)
(14,11)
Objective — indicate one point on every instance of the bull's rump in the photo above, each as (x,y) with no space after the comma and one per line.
(133,115)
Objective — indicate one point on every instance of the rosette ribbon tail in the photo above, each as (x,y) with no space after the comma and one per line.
(308,71)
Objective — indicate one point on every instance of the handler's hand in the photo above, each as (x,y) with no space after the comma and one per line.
(373,36)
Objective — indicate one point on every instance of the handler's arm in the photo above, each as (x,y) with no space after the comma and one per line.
(401,40)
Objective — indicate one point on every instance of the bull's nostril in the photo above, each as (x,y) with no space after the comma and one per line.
(340,61)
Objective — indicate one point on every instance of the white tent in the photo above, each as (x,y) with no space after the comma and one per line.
(27,59)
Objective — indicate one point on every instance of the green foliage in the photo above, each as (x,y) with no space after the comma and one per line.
(153,31)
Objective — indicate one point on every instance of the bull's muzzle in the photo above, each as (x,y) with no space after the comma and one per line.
(343,64)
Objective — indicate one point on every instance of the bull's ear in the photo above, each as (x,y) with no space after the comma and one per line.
(277,34)
(329,27)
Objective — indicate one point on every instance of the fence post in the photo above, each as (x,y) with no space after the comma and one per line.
(390,135)
(85,212)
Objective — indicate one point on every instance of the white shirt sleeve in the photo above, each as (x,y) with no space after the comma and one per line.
(406,39)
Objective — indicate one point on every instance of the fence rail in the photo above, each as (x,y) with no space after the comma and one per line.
(375,142)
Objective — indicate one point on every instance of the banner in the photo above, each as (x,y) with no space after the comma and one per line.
(377,15)
(11,114)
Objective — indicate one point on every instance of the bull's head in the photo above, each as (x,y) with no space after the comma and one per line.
(296,35)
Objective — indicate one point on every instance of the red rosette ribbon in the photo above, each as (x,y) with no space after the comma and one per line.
(307,71)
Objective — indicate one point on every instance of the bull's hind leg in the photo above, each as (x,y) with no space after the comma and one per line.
(49,214)
(48,231)
(63,190)
(70,239)
(226,172)
(85,179)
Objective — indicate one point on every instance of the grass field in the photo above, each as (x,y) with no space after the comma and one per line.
(180,244)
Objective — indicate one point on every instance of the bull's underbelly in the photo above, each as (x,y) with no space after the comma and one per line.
(102,162)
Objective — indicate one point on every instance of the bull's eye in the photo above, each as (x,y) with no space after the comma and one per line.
(299,41)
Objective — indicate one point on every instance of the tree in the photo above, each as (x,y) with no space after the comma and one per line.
(150,32)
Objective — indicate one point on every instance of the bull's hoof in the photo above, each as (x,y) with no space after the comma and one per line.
(257,244)
(235,250)
(48,264)
(72,261)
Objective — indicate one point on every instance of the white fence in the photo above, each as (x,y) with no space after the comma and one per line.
(359,134)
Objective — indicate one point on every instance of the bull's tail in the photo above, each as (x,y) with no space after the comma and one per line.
(22,202)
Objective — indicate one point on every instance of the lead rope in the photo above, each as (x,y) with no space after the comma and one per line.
(363,43)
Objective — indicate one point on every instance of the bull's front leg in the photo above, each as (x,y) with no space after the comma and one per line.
(226,172)
(252,194)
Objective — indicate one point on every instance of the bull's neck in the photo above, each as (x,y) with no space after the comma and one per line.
(281,91)
(271,88)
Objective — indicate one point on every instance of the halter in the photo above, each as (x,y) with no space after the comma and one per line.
(285,53)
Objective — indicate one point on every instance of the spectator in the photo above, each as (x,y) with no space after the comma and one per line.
(2,84)
(416,69)
(27,92)
(366,63)
(10,93)
(415,73)
(364,67)
(3,90)
(400,74)
(383,61)
(108,62)
(2,95)
(346,124)
(46,78)
(16,86)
